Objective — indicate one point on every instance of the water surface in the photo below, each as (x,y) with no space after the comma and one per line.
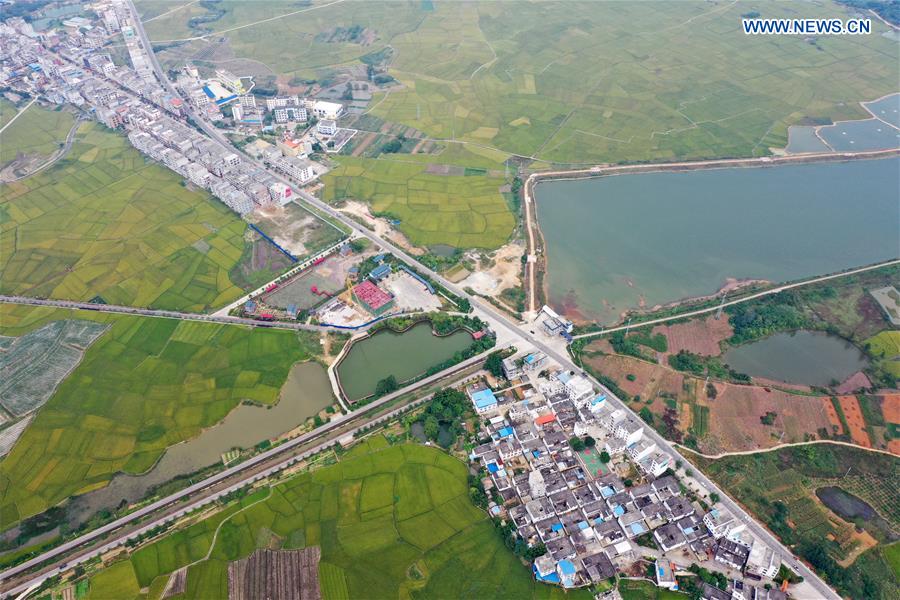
(403,355)
(803,139)
(801,357)
(305,392)
(614,243)
(854,509)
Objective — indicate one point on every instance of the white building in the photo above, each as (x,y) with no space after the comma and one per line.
(629,430)
(326,127)
(280,193)
(297,168)
(579,389)
(656,464)
(763,561)
(721,522)
(641,449)
(327,110)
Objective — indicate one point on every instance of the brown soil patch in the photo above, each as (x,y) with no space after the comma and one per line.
(833,416)
(365,143)
(649,379)
(853,415)
(894,447)
(700,336)
(861,541)
(774,383)
(854,382)
(890,408)
(286,574)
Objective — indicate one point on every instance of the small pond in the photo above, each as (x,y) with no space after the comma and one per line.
(445,438)
(799,357)
(853,509)
(404,355)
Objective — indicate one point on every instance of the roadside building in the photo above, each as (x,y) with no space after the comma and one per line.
(373,298)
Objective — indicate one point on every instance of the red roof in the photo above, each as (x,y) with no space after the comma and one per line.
(544,419)
(372,295)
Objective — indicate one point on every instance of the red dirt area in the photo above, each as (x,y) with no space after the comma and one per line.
(890,408)
(697,336)
(649,379)
(833,416)
(855,382)
(734,420)
(894,447)
(853,415)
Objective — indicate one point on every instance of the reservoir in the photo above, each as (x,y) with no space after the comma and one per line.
(801,357)
(305,392)
(620,242)
(404,355)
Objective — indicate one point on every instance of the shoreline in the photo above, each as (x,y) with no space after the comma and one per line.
(535,242)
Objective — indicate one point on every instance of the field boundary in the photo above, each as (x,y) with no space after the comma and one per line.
(780,447)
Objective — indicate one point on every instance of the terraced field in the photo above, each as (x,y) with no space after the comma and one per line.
(105,222)
(391,521)
(146,384)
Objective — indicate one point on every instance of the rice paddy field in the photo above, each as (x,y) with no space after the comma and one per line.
(144,385)
(583,82)
(462,212)
(105,222)
(38,131)
(391,521)
(778,487)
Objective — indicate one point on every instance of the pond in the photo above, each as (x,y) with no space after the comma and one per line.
(404,355)
(800,357)
(445,438)
(305,392)
(854,509)
(621,242)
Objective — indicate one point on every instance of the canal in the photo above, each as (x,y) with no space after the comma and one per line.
(621,242)
(305,392)
(404,355)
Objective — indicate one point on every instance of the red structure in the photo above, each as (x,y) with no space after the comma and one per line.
(373,298)
(266,317)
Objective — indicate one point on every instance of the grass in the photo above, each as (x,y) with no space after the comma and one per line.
(778,487)
(38,131)
(352,510)
(601,83)
(638,589)
(462,212)
(104,222)
(144,385)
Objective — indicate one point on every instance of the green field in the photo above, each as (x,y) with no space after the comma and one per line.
(144,385)
(778,487)
(645,590)
(37,131)
(585,83)
(391,521)
(103,221)
(463,212)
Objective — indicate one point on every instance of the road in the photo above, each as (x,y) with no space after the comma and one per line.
(164,314)
(244,473)
(70,139)
(769,292)
(506,330)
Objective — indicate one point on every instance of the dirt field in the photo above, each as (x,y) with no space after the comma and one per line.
(853,415)
(856,381)
(732,419)
(285,574)
(890,408)
(379,226)
(328,277)
(697,336)
(504,273)
(833,417)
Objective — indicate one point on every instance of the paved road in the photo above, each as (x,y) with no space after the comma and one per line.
(508,330)
(70,138)
(182,496)
(769,292)
(164,314)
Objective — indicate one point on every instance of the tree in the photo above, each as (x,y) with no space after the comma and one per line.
(386,386)
(577,443)
(432,427)
(605,457)
(646,415)
(714,498)
(590,442)
(494,365)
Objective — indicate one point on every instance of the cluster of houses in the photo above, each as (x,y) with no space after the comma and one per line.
(591,515)
(77,73)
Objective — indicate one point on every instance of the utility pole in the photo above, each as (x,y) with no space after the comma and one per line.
(719,312)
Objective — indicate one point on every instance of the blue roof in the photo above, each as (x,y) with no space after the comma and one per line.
(598,520)
(637,528)
(582,525)
(618,511)
(530,358)
(380,270)
(226,100)
(556,527)
(689,530)
(484,398)
(535,453)
(505,432)
(607,491)
(550,578)
(598,399)
(567,567)
(493,468)
(208,92)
